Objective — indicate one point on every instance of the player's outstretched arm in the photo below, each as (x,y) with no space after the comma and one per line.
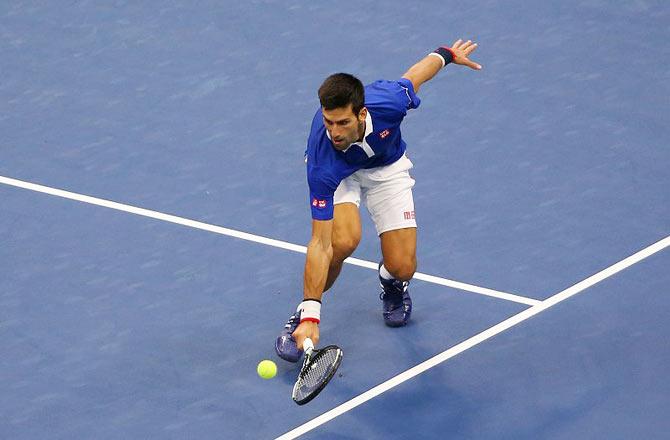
(319,255)
(428,67)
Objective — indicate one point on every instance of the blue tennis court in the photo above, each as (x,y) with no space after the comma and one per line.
(155,211)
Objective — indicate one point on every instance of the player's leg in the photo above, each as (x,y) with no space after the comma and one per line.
(388,191)
(395,271)
(399,253)
(346,236)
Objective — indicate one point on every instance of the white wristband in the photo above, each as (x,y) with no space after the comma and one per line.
(310,310)
(444,63)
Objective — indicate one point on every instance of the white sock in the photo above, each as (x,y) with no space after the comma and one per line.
(385,273)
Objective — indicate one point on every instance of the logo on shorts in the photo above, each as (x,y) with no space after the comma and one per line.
(319,204)
(384,133)
(409,215)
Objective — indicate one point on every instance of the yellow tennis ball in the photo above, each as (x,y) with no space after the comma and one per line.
(266,369)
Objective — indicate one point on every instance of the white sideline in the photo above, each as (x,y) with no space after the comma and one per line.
(477,339)
(250,237)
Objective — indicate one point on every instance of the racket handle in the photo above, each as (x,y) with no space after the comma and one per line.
(308,346)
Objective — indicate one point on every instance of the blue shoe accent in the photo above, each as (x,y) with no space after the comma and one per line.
(397,305)
(285,344)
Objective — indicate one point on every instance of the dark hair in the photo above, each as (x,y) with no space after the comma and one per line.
(341,89)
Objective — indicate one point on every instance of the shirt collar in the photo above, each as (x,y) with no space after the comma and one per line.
(368,127)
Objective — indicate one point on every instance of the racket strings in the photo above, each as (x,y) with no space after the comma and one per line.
(316,371)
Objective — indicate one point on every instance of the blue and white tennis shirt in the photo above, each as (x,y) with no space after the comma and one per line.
(387,103)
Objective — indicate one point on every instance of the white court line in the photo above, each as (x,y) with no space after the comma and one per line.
(251,237)
(477,339)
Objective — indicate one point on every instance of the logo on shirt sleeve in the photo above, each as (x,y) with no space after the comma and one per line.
(384,133)
(319,204)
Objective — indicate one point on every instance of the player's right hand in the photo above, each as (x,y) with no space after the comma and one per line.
(306,329)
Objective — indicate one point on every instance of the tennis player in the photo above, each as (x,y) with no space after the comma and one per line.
(355,152)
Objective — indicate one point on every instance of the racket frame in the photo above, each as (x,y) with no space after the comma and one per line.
(311,356)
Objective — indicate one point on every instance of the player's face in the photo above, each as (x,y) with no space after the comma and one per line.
(344,126)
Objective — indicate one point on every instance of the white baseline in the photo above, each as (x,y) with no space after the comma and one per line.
(477,339)
(251,237)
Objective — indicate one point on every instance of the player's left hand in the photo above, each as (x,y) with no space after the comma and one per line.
(462,51)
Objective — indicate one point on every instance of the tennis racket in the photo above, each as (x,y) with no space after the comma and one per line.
(317,369)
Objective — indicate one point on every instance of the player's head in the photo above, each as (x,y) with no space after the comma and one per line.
(342,100)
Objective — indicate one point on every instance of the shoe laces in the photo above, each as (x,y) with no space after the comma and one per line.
(394,296)
(293,321)
(394,286)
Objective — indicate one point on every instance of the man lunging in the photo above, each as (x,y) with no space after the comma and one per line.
(355,152)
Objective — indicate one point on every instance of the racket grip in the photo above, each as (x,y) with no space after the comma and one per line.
(308,345)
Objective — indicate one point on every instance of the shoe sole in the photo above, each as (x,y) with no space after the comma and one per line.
(396,324)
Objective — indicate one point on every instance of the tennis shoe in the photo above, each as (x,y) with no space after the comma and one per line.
(285,344)
(397,305)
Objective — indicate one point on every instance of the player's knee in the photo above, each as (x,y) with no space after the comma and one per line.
(345,246)
(403,269)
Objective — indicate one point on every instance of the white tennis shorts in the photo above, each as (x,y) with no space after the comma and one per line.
(387,192)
